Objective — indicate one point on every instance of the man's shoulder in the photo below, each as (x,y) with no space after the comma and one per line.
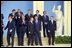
(49,20)
(39,15)
(47,16)
(10,14)
(54,20)
(26,14)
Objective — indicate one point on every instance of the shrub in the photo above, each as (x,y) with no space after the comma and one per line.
(63,40)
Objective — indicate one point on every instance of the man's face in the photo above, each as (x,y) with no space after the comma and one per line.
(32,19)
(29,11)
(36,17)
(37,12)
(10,18)
(14,12)
(44,12)
(51,18)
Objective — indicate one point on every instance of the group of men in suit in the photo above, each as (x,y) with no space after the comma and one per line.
(31,25)
(49,27)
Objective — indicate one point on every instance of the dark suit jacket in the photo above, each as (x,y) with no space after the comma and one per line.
(52,27)
(10,26)
(37,26)
(11,14)
(45,20)
(31,28)
(27,17)
(40,18)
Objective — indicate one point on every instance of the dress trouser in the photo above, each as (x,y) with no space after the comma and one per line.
(18,34)
(31,39)
(10,35)
(38,38)
(44,30)
(22,32)
(51,35)
(1,37)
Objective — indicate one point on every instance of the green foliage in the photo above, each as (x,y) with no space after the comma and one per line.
(63,40)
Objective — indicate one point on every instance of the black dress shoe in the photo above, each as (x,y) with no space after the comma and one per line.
(22,45)
(36,44)
(18,44)
(28,44)
(2,45)
(52,44)
(11,45)
(44,36)
(40,44)
(49,44)
(32,45)
(8,45)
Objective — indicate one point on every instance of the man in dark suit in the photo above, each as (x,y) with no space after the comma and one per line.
(13,13)
(45,20)
(27,18)
(51,31)
(11,31)
(2,26)
(31,31)
(37,28)
(37,14)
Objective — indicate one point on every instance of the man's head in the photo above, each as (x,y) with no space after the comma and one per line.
(36,17)
(37,11)
(13,11)
(51,17)
(44,12)
(31,18)
(28,11)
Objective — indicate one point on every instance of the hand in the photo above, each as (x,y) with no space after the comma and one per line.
(48,30)
(2,25)
(29,32)
(16,17)
(10,30)
(45,22)
(55,30)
